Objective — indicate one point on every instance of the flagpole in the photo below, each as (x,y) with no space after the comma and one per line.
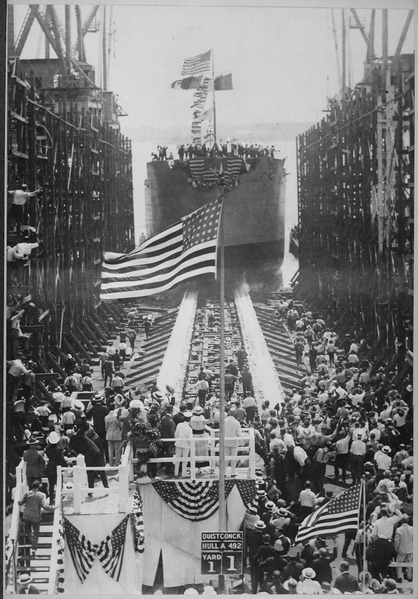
(222,503)
(213,98)
(363,482)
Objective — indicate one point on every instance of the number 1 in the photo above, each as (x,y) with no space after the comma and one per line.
(231,562)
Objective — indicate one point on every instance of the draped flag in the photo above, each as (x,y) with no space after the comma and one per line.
(187,83)
(196,65)
(198,500)
(137,521)
(338,515)
(110,551)
(180,252)
(81,549)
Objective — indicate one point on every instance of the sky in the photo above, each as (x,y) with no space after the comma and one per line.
(283,60)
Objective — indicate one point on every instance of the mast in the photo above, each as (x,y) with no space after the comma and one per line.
(213,98)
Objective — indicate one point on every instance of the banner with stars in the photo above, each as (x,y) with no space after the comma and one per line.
(198,500)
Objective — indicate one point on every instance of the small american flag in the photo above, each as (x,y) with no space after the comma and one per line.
(196,65)
(110,551)
(81,549)
(137,521)
(338,515)
(180,252)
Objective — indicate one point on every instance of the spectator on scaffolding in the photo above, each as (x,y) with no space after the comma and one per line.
(103,357)
(18,338)
(147,327)
(118,383)
(70,365)
(122,349)
(19,197)
(16,371)
(24,585)
(109,369)
(114,435)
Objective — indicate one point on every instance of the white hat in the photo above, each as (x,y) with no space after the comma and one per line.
(53,438)
(157,395)
(136,403)
(24,578)
(260,525)
(386,449)
(308,573)
(290,582)
(78,405)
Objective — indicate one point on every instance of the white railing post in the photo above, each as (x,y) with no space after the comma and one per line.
(53,562)
(77,489)
(193,458)
(252,453)
(123,488)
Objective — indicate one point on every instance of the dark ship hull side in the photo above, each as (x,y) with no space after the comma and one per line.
(253,211)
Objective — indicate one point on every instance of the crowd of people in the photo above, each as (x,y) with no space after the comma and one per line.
(345,422)
(221,149)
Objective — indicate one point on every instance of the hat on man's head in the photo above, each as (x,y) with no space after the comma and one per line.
(197,410)
(390,584)
(35,484)
(70,432)
(270,505)
(33,441)
(25,577)
(260,525)
(78,405)
(252,510)
(282,511)
(157,395)
(53,438)
(187,414)
(386,449)
(291,582)
(308,573)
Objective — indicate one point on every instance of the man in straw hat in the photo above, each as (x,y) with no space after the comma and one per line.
(34,501)
(25,586)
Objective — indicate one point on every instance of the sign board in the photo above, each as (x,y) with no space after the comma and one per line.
(222,552)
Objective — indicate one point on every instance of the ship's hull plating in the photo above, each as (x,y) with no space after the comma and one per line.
(253,211)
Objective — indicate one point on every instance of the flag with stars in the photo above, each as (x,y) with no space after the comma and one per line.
(81,549)
(193,500)
(182,251)
(338,515)
(110,551)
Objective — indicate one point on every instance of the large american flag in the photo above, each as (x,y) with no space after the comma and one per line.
(81,549)
(110,551)
(137,520)
(206,172)
(198,500)
(180,252)
(196,65)
(338,515)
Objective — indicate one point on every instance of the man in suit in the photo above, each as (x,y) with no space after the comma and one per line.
(34,500)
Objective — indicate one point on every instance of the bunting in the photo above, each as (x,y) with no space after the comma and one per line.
(137,521)
(187,83)
(81,549)
(198,500)
(111,550)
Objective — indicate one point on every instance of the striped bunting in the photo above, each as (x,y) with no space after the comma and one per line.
(196,65)
(60,559)
(205,172)
(193,500)
(137,521)
(180,252)
(338,515)
(111,550)
(81,549)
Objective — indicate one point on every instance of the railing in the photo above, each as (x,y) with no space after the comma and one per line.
(13,537)
(79,483)
(246,452)
(55,541)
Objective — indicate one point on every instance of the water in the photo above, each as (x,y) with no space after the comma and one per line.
(284,149)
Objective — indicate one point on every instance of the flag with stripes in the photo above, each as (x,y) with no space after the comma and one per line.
(183,251)
(81,549)
(111,550)
(196,65)
(338,515)
(137,521)
(187,83)
(193,500)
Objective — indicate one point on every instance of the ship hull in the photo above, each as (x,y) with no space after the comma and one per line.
(253,210)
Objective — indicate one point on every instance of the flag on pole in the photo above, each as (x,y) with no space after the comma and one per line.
(81,549)
(187,83)
(338,515)
(196,65)
(111,550)
(183,251)
(223,82)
